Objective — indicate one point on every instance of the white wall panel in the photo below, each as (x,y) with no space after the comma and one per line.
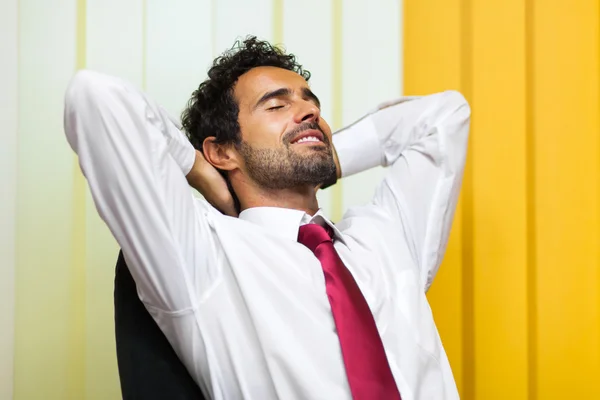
(239,18)
(371,74)
(45,171)
(115,30)
(179,50)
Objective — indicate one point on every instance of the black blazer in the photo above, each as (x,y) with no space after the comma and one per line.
(149,369)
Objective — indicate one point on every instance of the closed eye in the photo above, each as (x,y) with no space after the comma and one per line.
(274,108)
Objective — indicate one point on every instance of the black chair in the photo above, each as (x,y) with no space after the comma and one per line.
(149,369)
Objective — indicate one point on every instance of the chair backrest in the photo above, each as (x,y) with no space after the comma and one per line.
(149,369)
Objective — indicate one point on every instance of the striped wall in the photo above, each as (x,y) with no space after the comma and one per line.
(517,301)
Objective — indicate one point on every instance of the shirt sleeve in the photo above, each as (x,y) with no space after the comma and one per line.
(135,159)
(424,142)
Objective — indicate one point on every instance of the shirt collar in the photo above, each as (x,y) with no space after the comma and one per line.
(286,222)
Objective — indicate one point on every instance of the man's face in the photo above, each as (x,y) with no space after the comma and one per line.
(285,142)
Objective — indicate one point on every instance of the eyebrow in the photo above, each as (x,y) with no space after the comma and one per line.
(308,93)
(283,92)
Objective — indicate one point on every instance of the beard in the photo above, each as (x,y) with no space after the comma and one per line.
(286,168)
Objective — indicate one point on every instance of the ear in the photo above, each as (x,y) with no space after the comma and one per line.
(219,155)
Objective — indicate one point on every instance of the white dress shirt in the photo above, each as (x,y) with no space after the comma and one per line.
(241,302)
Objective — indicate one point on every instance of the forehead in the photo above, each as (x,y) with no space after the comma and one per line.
(260,80)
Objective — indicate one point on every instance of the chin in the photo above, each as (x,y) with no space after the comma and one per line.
(319,148)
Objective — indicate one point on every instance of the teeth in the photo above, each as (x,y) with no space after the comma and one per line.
(308,139)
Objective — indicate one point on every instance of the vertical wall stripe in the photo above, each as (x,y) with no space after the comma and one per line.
(144,43)
(401,44)
(468,383)
(370,70)
(45,316)
(532,318)
(9,78)
(567,184)
(337,96)
(76,384)
(498,172)
(278,22)
(81,35)
(432,63)
(213,29)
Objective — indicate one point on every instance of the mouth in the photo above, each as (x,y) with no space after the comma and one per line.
(309,136)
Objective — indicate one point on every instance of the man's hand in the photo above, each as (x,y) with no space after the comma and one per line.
(208,181)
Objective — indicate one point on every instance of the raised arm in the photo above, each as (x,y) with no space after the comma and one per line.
(135,160)
(424,142)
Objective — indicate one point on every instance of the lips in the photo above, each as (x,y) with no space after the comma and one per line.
(308,136)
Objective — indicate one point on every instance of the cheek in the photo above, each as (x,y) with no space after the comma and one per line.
(326,129)
(262,132)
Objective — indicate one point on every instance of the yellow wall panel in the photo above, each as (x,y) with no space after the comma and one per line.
(498,150)
(101,379)
(432,62)
(77,301)
(566,135)
(528,254)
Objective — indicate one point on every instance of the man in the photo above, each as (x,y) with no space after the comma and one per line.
(262,305)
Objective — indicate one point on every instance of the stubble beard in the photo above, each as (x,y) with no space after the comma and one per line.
(285,168)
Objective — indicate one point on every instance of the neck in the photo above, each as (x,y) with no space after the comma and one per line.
(301,198)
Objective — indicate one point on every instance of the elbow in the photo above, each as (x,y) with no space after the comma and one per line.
(81,89)
(89,87)
(456,102)
(458,114)
(84,92)
(76,97)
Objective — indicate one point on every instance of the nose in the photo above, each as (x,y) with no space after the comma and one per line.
(307,111)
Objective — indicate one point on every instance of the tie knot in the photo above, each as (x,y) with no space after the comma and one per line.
(312,235)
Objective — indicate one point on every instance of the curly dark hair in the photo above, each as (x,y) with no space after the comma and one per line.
(212,110)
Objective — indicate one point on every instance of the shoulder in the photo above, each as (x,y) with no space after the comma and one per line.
(372,223)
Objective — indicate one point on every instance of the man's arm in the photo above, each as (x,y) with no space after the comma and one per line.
(424,142)
(135,160)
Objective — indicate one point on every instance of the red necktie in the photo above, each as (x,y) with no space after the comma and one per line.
(367,368)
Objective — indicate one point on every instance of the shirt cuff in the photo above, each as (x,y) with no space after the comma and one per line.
(186,158)
(182,152)
(358,147)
